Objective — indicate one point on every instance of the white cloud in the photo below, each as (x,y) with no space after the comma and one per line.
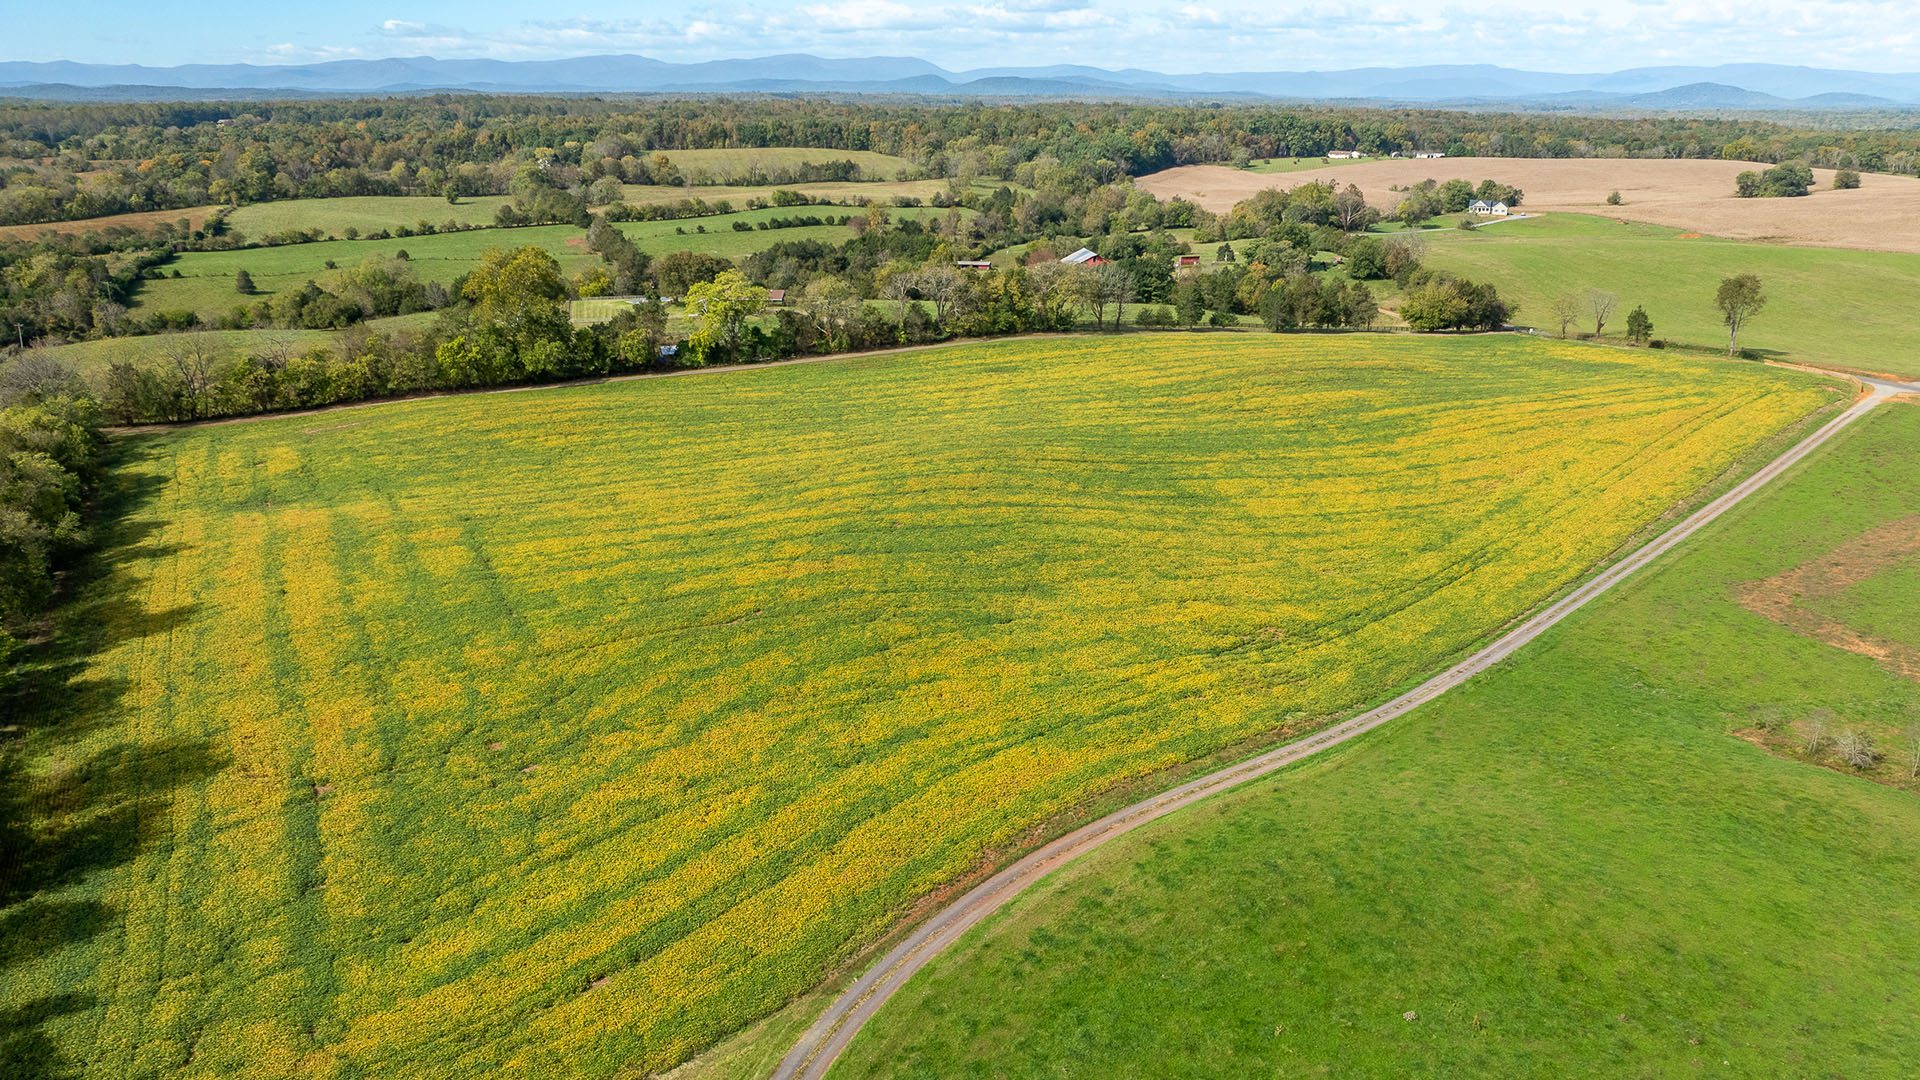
(1198,35)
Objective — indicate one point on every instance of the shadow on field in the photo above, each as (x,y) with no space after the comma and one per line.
(74,799)
(25,1050)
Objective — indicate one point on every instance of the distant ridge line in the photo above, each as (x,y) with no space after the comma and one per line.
(1723,87)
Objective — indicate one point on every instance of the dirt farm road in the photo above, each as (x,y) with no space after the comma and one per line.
(822,1043)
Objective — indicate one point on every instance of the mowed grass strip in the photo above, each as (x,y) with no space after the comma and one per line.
(562,733)
(1826,306)
(1569,866)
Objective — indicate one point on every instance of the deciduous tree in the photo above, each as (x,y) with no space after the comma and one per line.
(1601,304)
(724,306)
(1740,299)
(1565,310)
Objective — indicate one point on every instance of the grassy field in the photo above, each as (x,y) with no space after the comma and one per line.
(206,278)
(91,358)
(1569,867)
(562,733)
(849,191)
(206,281)
(1287,165)
(727,163)
(368,213)
(1826,306)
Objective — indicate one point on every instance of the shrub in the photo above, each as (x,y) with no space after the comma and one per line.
(1817,722)
(1614,199)
(1785,180)
(1845,179)
(1444,303)
(1856,749)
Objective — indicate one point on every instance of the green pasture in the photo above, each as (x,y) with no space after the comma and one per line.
(1569,867)
(724,163)
(90,358)
(1301,164)
(1827,306)
(206,284)
(845,192)
(367,213)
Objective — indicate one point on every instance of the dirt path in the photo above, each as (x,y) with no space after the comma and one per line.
(823,1043)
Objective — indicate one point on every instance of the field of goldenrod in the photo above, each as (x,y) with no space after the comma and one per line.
(559,734)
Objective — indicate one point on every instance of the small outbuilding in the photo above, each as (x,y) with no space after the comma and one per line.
(776,298)
(1084,257)
(1187,260)
(974,264)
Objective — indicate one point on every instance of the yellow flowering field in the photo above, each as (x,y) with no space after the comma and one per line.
(561,733)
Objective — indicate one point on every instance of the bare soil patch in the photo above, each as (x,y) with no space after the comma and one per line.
(1779,597)
(1882,214)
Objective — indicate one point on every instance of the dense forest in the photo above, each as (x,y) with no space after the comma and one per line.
(70,162)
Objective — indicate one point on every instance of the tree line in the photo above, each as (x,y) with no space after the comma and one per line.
(50,459)
(62,162)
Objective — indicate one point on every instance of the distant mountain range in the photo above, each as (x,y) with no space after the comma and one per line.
(1728,86)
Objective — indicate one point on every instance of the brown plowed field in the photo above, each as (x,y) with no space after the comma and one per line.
(1882,214)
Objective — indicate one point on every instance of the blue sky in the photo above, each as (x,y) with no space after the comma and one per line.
(1185,35)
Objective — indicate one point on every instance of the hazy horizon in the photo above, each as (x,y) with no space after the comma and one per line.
(1192,38)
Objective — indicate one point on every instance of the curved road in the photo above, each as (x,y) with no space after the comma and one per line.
(822,1043)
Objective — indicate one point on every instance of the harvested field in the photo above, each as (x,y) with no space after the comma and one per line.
(1882,214)
(196,216)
